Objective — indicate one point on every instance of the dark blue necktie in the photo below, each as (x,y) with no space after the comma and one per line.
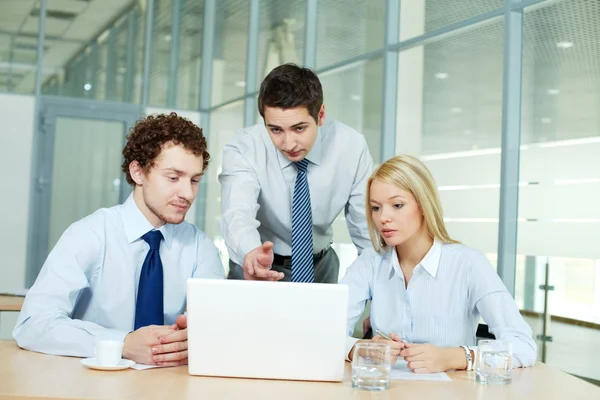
(149,308)
(303,269)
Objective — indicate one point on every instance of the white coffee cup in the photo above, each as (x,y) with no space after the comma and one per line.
(108,352)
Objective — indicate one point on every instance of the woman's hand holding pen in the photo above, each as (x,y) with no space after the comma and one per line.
(394,341)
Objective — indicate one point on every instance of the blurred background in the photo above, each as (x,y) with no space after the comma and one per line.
(499,98)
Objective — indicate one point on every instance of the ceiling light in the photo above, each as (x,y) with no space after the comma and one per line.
(461,154)
(355,97)
(564,45)
(167,38)
(441,75)
(87,87)
(546,120)
(456,110)
(553,92)
(240,83)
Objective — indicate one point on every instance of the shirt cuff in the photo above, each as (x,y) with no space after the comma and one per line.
(350,342)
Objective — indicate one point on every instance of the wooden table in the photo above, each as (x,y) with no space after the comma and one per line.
(28,375)
(11,303)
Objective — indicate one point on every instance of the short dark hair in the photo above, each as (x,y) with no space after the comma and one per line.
(291,86)
(147,138)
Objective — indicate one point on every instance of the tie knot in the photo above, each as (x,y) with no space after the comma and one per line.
(153,239)
(302,165)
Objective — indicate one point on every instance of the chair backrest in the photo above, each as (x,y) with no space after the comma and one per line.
(483,332)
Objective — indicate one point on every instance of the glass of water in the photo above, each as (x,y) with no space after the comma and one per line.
(371,366)
(494,362)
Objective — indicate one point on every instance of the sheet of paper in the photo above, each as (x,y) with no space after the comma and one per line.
(400,371)
(141,367)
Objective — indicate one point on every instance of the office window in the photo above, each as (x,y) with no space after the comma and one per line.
(176,54)
(190,55)
(281,37)
(224,122)
(422,16)
(18,46)
(348,28)
(230,49)
(450,115)
(353,96)
(81,62)
(559,222)
(160,54)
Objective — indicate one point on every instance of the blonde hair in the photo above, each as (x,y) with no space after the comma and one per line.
(409,174)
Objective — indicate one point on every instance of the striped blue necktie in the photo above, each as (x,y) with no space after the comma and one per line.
(302,245)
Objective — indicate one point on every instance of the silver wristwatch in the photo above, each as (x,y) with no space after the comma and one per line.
(469,358)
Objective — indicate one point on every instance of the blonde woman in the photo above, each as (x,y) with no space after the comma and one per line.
(427,291)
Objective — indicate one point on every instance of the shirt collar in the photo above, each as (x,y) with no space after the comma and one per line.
(430,262)
(314,155)
(136,224)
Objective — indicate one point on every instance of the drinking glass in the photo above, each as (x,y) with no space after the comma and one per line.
(371,366)
(494,362)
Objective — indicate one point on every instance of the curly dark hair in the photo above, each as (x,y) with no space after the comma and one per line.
(290,86)
(146,139)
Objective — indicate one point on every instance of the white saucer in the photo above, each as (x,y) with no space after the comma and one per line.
(93,364)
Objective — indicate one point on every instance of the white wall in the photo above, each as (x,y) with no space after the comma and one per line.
(16,138)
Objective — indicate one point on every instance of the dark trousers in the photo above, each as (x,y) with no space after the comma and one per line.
(327,269)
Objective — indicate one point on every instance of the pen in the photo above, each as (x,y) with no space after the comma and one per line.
(382,334)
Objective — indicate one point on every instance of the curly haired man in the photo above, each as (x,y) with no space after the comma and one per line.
(119,273)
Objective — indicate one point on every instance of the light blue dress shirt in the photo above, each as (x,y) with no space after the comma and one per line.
(257,187)
(86,290)
(450,289)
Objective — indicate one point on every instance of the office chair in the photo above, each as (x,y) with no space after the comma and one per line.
(483,332)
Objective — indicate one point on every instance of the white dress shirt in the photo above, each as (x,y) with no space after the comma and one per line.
(87,288)
(450,289)
(257,186)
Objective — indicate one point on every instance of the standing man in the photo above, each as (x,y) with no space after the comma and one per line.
(285,182)
(120,273)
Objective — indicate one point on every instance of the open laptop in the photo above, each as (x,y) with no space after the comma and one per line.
(269,330)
